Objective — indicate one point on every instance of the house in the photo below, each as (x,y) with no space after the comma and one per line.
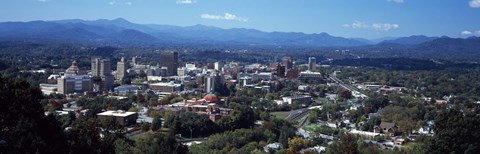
(332,124)
(273,147)
(386,127)
(355,106)
(315,149)
(399,141)
(426,129)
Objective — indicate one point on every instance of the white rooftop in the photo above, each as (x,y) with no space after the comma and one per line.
(118,113)
(172,84)
(309,72)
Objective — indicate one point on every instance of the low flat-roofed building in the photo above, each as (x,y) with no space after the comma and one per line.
(48,89)
(122,117)
(299,99)
(166,86)
(154,78)
(306,76)
(127,89)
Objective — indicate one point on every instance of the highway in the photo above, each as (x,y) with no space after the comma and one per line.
(333,77)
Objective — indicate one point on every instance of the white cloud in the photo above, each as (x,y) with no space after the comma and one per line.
(186,1)
(474,3)
(395,1)
(42,0)
(384,26)
(466,33)
(226,16)
(470,33)
(374,26)
(119,3)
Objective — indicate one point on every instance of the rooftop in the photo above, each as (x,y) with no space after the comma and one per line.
(171,84)
(118,113)
(310,72)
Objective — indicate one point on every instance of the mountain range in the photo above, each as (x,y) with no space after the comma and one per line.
(122,32)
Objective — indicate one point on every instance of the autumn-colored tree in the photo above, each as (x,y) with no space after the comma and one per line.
(346,145)
(296,144)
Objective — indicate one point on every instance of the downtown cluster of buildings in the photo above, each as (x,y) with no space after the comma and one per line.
(101,78)
(169,77)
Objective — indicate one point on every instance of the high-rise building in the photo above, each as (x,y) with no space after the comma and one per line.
(292,73)
(135,60)
(105,67)
(210,84)
(280,71)
(169,60)
(121,69)
(287,62)
(102,68)
(96,67)
(212,81)
(218,66)
(210,66)
(312,63)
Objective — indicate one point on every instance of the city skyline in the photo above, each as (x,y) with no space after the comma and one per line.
(349,18)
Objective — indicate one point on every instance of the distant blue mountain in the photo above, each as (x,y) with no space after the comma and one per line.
(122,31)
(410,40)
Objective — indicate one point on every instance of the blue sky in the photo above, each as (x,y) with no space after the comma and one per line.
(346,18)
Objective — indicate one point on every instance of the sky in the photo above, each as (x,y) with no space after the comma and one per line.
(347,18)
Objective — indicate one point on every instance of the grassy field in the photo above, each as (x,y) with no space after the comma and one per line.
(138,136)
(280,115)
(312,127)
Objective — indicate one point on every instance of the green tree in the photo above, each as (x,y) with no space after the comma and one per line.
(84,136)
(156,124)
(345,94)
(23,124)
(455,132)
(242,116)
(192,124)
(123,146)
(159,143)
(285,134)
(346,145)
(313,115)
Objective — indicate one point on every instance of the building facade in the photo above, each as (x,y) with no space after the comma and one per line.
(101,69)
(74,84)
(169,60)
(121,69)
(73,81)
(312,63)
(166,86)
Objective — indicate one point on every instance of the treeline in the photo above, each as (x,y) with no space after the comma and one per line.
(400,63)
(437,84)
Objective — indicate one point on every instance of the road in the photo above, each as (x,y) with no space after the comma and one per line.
(333,76)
